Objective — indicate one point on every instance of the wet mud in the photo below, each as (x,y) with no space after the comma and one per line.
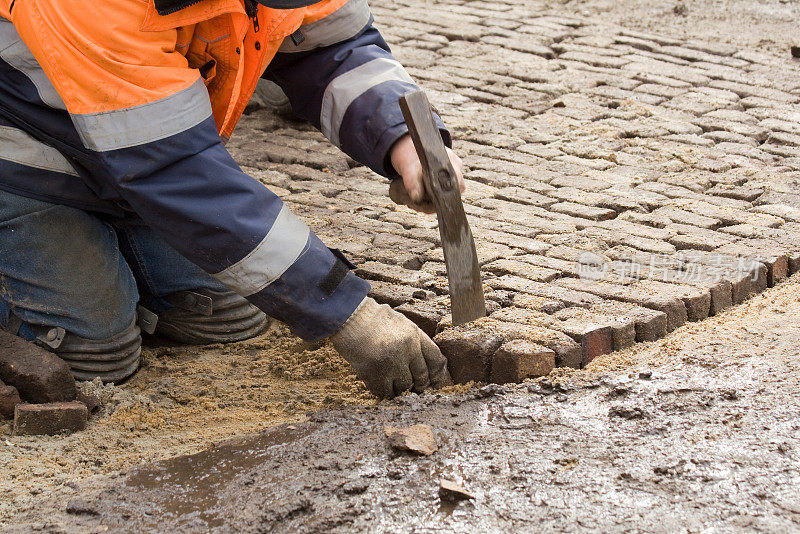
(698,431)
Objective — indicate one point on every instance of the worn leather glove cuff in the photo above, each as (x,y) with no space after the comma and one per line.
(357,324)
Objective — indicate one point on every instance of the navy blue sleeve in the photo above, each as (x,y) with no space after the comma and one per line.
(350,91)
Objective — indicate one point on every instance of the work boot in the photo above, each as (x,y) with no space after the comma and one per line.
(111,360)
(273,97)
(204,316)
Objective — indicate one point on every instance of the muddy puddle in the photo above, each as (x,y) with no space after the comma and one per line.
(190,486)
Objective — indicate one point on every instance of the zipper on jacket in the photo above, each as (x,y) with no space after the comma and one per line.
(164,7)
(251,8)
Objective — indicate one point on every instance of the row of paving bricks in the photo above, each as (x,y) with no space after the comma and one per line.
(619,183)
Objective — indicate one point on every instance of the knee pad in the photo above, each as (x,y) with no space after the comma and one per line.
(204,316)
(110,360)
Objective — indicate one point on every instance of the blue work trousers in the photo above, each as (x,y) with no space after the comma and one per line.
(64,267)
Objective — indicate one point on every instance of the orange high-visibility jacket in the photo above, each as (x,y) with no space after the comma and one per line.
(112,107)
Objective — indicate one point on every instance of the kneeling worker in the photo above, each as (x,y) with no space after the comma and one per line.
(120,207)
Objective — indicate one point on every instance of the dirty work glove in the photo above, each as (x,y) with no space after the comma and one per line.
(389,352)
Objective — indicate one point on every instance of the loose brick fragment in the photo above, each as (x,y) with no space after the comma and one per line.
(49,419)
(449,491)
(92,402)
(519,359)
(419,439)
(38,375)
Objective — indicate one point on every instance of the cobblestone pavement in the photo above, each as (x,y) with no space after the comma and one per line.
(619,183)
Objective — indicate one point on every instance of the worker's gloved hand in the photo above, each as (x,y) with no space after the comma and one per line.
(410,190)
(389,352)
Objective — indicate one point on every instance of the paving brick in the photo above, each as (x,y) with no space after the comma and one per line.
(728,216)
(649,324)
(672,306)
(39,376)
(673,269)
(595,338)
(691,237)
(568,352)
(525,270)
(533,302)
(623,329)
(383,272)
(527,244)
(584,212)
(748,194)
(469,349)
(49,419)
(519,359)
(487,252)
(747,276)
(426,314)
(776,261)
(578,139)
(396,294)
(549,291)
(677,215)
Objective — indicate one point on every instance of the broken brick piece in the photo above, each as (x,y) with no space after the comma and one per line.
(92,402)
(9,398)
(451,492)
(38,375)
(49,419)
(519,359)
(469,349)
(417,438)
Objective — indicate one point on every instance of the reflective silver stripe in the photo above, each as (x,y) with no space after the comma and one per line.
(19,147)
(124,128)
(17,54)
(283,244)
(339,26)
(344,89)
